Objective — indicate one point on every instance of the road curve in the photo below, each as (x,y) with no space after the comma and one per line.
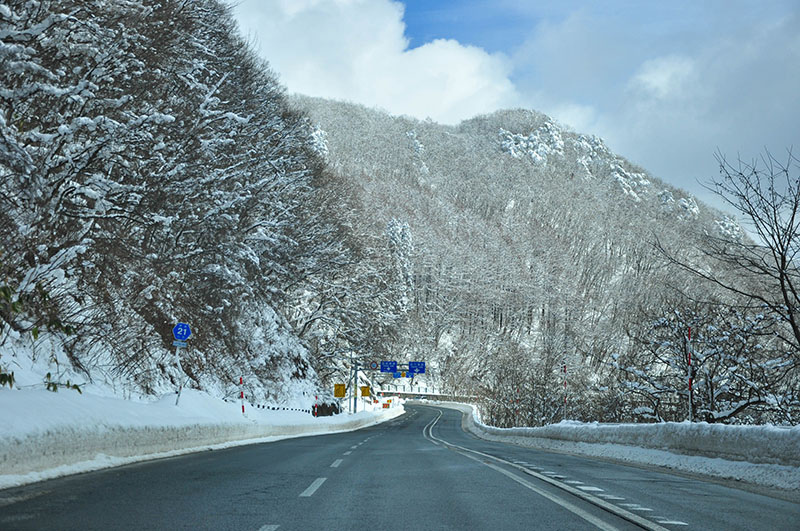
(418,471)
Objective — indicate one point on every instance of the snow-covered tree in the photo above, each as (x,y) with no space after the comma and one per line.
(737,374)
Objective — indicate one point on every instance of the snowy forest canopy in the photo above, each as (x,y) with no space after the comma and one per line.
(152,170)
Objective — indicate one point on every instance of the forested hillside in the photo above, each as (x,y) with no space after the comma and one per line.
(534,256)
(151,172)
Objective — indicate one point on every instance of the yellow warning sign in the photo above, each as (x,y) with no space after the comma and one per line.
(339,390)
(365,390)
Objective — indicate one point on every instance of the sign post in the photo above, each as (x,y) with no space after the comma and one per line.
(181,333)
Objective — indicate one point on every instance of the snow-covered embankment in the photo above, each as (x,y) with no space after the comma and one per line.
(768,456)
(46,435)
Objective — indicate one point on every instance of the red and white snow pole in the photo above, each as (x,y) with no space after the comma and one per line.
(565,390)
(241,392)
(689,360)
(316,400)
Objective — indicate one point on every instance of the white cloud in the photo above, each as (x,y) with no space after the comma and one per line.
(667,97)
(665,85)
(356,50)
(664,77)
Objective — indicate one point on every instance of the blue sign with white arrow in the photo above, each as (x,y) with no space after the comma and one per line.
(388,366)
(416,367)
(182,331)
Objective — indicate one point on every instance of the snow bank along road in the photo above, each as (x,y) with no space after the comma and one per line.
(46,435)
(765,458)
(418,471)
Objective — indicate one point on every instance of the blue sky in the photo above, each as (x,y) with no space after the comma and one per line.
(665,84)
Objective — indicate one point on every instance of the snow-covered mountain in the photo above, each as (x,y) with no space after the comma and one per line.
(533,251)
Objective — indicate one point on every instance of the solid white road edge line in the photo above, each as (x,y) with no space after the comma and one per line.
(610,507)
(317,483)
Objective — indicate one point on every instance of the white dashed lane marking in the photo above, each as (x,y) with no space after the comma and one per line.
(317,483)
(336,463)
(598,492)
(636,507)
(348,452)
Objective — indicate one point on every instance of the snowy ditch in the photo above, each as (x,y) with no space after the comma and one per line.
(767,456)
(46,435)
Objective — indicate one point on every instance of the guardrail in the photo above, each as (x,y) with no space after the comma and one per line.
(428,396)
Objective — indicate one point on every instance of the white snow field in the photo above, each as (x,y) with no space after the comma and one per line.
(45,435)
(766,456)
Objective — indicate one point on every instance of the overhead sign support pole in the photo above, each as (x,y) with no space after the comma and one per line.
(355,387)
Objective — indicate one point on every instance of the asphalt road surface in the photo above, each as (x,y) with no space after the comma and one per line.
(419,471)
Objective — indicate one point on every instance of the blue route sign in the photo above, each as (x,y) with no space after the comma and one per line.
(396,375)
(416,367)
(181,331)
(388,366)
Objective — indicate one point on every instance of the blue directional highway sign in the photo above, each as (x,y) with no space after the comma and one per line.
(181,331)
(416,367)
(388,366)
